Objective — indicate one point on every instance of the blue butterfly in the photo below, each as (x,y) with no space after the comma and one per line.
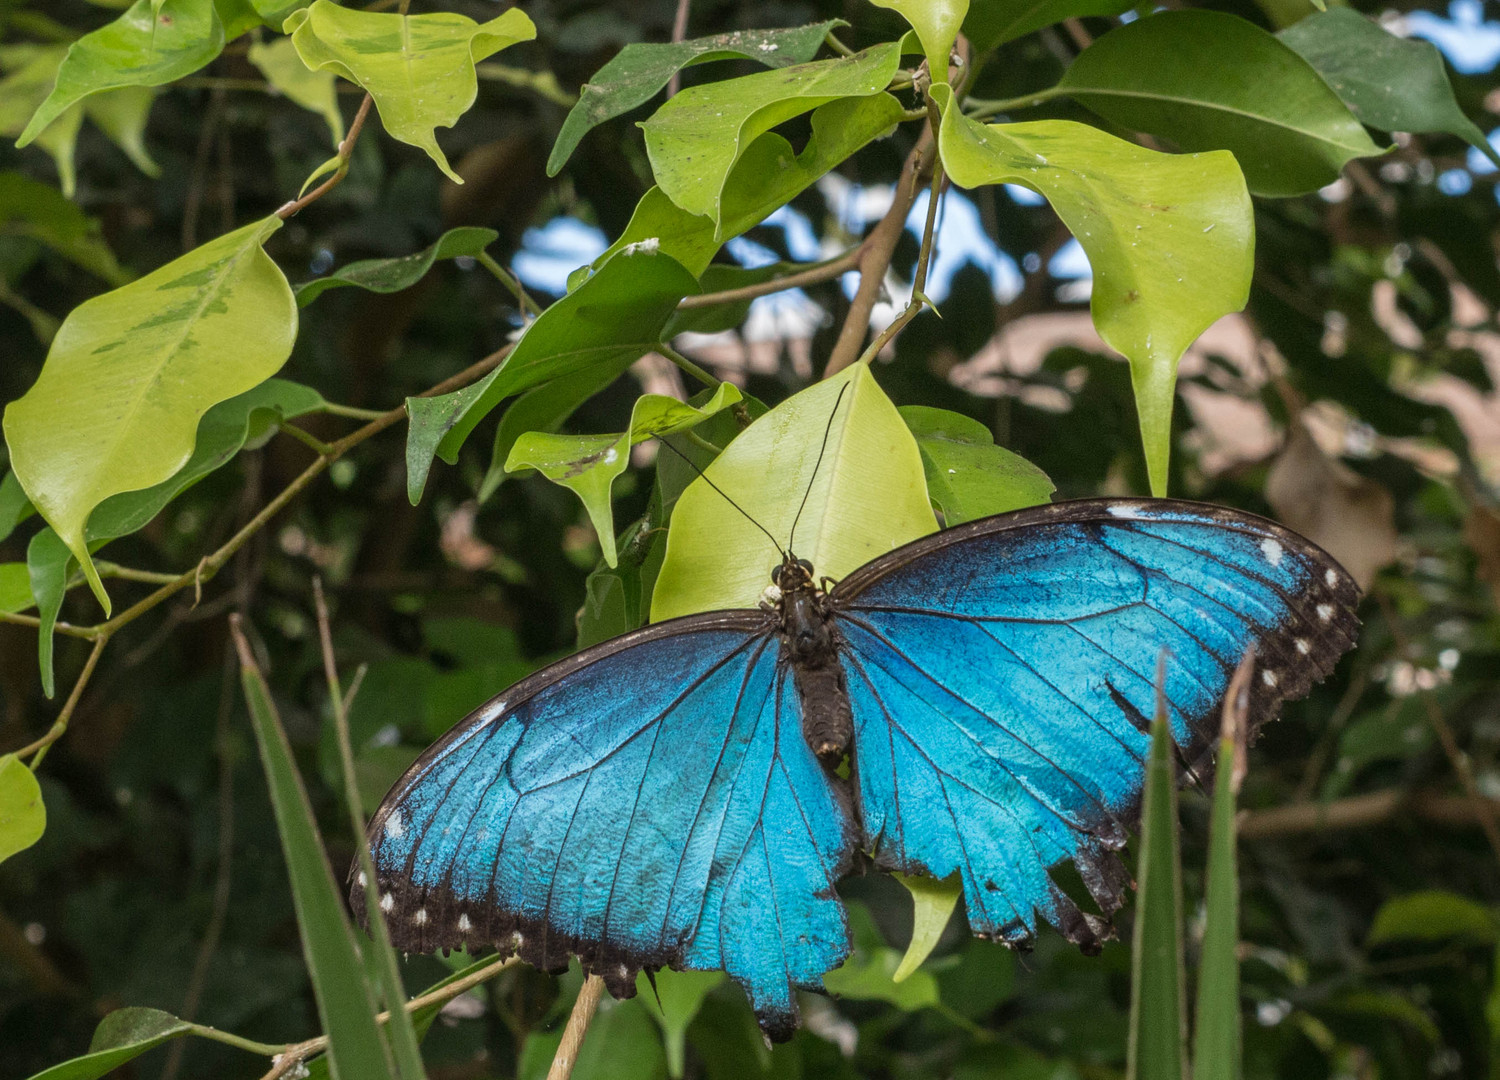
(673,798)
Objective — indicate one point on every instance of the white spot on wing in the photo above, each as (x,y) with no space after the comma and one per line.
(1303,647)
(492,711)
(463,924)
(1331,576)
(1325,611)
(420,918)
(1125,510)
(363,881)
(394,826)
(387,902)
(1272,550)
(1268,677)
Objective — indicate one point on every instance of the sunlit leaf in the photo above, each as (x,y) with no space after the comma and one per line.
(418,68)
(1170,238)
(315,91)
(695,139)
(638,71)
(932,902)
(994,22)
(616,315)
(1210,81)
(589,464)
(40,212)
(132,372)
(937,23)
(121,1036)
(855,509)
(1389,82)
(403,271)
(968,476)
(673,999)
(140,48)
(23,818)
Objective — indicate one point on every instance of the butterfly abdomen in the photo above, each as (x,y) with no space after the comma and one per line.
(811,650)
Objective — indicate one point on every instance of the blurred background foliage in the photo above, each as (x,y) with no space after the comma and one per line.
(1354,400)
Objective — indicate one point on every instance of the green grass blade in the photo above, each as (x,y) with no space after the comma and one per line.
(1216,1035)
(346,1005)
(1156,1000)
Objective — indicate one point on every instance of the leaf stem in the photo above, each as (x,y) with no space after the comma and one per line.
(307,438)
(126,573)
(230,1039)
(17,619)
(351,412)
(346,151)
(60,725)
(836,45)
(983,109)
(687,365)
(812,275)
(514,287)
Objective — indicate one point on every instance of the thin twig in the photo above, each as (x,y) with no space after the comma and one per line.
(345,152)
(812,275)
(679,33)
(60,725)
(513,286)
(688,366)
(578,1026)
(1362,811)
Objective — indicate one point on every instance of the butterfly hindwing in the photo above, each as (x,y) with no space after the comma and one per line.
(1002,675)
(649,803)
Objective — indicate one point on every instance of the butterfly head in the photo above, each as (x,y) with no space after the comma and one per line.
(793,575)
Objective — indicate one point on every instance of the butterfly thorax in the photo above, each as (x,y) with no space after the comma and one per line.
(809,645)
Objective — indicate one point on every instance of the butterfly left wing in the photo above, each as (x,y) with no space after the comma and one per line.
(1002,675)
(649,802)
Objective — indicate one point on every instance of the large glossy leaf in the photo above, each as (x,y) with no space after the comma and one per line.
(131,373)
(346,1003)
(936,23)
(1388,82)
(994,22)
(1210,81)
(41,213)
(589,464)
(23,818)
(121,1036)
(866,498)
(153,42)
(418,68)
(315,91)
(695,139)
(616,315)
(31,71)
(968,476)
(403,271)
(638,71)
(1170,239)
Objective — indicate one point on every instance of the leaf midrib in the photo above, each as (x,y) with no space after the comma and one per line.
(1199,103)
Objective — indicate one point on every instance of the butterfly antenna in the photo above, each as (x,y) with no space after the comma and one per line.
(694,466)
(816,465)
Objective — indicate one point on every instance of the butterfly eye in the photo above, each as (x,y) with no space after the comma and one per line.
(805,566)
(776,575)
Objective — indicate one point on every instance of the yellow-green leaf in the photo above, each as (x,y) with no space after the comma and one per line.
(121,114)
(31,70)
(937,23)
(23,818)
(1170,238)
(418,68)
(141,48)
(589,464)
(315,91)
(866,498)
(932,903)
(131,372)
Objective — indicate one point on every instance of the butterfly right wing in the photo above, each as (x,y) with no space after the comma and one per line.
(649,802)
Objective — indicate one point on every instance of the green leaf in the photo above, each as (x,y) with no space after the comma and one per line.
(994,22)
(131,373)
(1430,916)
(855,508)
(48,561)
(346,1004)
(1210,81)
(968,476)
(1170,238)
(121,114)
(23,818)
(15,588)
(616,315)
(315,91)
(121,1036)
(638,71)
(695,139)
(937,24)
(1216,1026)
(418,68)
(1388,82)
(143,47)
(41,213)
(621,1044)
(32,70)
(544,409)
(15,507)
(768,175)
(402,272)
(1157,1021)
(932,902)
(673,999)
(868,973)
(589,464)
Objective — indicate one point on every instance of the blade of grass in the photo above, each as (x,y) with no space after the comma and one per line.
(1216,1035)
(405,1046)
(1157,1049)
(346,1004)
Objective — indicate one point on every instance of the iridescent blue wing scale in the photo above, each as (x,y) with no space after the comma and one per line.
(649,802)
(1001,674)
